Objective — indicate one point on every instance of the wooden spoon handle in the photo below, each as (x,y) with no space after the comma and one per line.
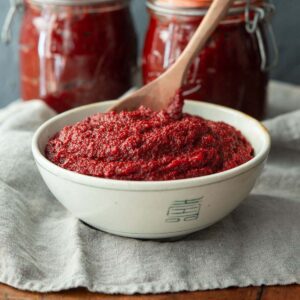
(158,93)
(214,15)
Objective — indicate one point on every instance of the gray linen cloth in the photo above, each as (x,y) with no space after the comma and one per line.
(44,248)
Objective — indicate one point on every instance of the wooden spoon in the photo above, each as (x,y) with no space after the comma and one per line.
(159,93)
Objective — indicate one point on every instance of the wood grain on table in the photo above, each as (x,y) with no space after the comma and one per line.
(291,292)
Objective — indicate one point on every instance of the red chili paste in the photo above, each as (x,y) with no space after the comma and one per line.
(227,71)
(148,145)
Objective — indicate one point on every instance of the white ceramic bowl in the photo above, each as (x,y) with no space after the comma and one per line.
(160,209)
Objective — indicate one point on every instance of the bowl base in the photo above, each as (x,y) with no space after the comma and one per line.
(162,237)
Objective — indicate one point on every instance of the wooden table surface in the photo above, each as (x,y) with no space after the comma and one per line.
(291,292)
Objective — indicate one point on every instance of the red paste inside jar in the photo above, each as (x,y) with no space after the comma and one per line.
(148,145)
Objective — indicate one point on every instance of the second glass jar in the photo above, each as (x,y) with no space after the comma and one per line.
(231,70)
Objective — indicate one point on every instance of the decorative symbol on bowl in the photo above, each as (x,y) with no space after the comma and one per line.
(184,210)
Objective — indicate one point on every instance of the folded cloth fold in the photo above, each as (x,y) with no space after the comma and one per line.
(44,248)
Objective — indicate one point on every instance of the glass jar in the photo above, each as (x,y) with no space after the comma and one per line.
(75,52)
(232,69)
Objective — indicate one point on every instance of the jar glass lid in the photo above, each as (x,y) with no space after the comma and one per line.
(196,3)
(183,3)
(196,7)
(71,2)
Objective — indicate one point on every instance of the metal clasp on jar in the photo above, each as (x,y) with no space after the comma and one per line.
(252,26)
(6,35)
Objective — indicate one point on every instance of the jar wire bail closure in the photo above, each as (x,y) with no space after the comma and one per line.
(259,15)
(6,34)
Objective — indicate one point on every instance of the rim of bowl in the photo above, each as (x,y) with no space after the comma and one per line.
(114,184)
